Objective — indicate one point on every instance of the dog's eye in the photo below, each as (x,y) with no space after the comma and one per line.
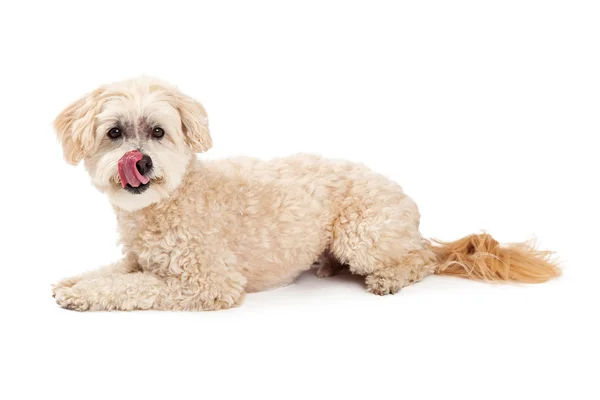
(158,132)
(114,133)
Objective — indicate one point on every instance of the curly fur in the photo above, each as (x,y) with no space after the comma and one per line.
(207,233)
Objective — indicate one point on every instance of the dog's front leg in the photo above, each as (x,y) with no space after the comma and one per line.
(205,289)
(119,286)
(130,291)
(124,266)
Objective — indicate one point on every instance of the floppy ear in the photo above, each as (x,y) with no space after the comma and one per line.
(194,121)
(76,127)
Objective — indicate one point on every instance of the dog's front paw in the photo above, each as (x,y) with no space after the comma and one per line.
(224,293)
(226,296)
(64,284)
(70,298)
(224,301)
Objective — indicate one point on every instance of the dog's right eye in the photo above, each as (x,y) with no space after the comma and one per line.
(114,133)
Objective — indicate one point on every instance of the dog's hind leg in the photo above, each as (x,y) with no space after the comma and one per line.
(328,265)
(389,279)
(379,239)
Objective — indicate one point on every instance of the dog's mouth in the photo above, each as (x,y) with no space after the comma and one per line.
(137,190)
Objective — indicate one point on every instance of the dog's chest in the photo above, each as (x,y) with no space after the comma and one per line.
(163,253)
(160,248)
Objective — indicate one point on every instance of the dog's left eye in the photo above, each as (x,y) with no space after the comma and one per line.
(158,132)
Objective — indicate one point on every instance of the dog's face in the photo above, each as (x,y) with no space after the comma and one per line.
(136,138)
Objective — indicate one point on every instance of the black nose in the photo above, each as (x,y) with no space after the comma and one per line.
(144,165)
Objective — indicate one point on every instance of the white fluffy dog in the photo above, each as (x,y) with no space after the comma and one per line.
(199,235)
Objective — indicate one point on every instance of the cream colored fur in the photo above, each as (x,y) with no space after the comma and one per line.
(206,233)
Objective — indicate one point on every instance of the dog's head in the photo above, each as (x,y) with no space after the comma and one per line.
(136,138)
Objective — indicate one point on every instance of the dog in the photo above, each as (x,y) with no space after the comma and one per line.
(200,235)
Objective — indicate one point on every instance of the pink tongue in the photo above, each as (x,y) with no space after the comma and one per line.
(128,171)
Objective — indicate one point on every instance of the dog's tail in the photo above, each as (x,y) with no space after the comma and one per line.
(483,258)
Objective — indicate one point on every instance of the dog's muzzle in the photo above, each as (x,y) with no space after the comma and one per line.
(134,168)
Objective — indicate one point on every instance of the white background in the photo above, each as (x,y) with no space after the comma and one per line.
(486,112)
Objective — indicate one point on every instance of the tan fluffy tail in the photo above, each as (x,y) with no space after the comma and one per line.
(483,258)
